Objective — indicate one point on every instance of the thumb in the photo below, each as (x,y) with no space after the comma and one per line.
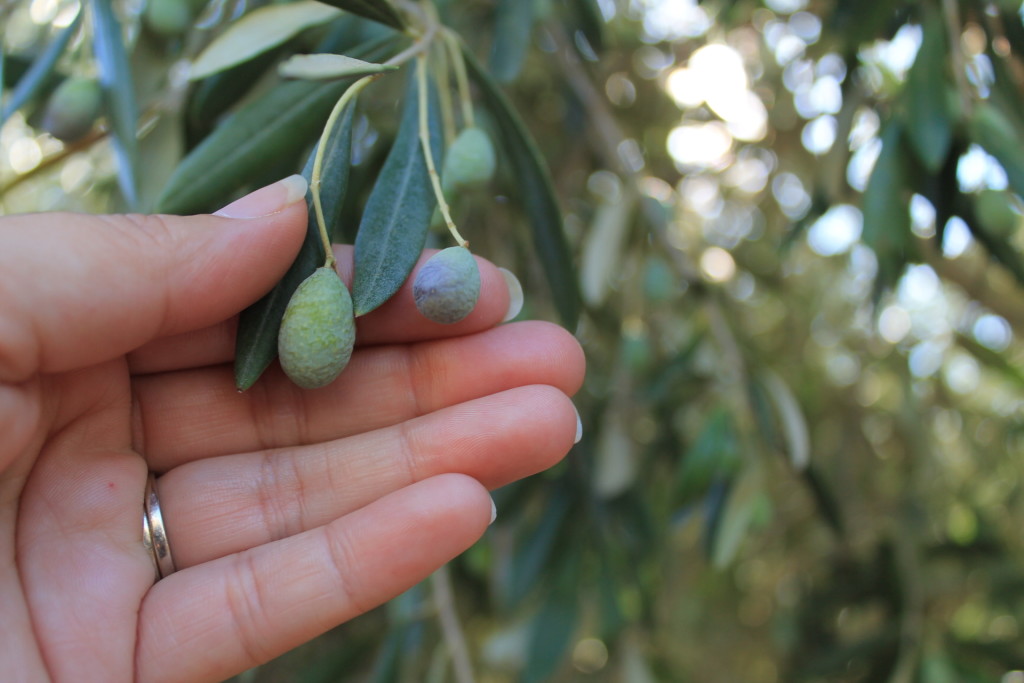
(79,289)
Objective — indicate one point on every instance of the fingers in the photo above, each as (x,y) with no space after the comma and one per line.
(78,289)
(196,414)
(396,321)
(223,505)
(212,621)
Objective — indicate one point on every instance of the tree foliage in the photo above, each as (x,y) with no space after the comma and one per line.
(787,233)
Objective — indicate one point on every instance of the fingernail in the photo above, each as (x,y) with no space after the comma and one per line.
(515,294)
(579,426)
(267,200)
(494,512)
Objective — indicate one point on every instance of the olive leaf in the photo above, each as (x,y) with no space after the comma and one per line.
(257,32)
(536,193)
(41,73)
(381,11)
(285,119)
(116,80)
(885,207)
(328,66)
(930,129)
(991,128)
(258,325)
(397,214)
(512,25)
(737,515)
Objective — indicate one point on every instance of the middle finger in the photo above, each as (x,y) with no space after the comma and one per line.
(195,414)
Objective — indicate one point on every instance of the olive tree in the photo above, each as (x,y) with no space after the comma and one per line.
(787,233)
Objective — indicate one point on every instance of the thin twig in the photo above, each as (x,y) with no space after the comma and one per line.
(428,155)
(441,581)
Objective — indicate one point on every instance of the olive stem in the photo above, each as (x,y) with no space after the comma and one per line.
(421,74)
(461,78)
(444,87)
(314,184)
(422,43)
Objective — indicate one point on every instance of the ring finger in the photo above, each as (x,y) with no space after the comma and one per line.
(219,506)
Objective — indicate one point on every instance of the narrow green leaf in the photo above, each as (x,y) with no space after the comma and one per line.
(550,638)
(257,32)
(885,207)
(997,133)
(381,11)
(213,96)
(116,80)
(737,516)
(258,325)
(590,22)
(285,119)
(397,214)
(328,66)
(40,74)
(513,23)
(930,126)
(536,193)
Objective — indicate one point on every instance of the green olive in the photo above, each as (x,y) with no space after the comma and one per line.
(72,109)
(317,331)
(469,161)
(447,287)
(168,18)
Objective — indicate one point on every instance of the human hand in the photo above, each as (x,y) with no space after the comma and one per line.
(287,511)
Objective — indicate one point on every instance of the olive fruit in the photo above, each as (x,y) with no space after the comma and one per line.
(469,161)
(72,109)
(317,331)
(168,18)
(447,287)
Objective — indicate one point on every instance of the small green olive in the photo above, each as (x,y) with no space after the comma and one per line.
(317,331)
(447,287)
(168,18)
(469,161)
(72,109)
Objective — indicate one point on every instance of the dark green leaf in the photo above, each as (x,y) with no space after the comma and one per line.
(552,629)
(714,452)
(536,546)
(991,128)
(213,96)
(285,119)
(41,73)
(929,125)
(116,80)
(512,26)
(589,21)
(537,194)
(825,500)
(258,325)
(382,11)
(886,210)
(397,214)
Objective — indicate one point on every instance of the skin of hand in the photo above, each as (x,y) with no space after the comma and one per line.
(288,511)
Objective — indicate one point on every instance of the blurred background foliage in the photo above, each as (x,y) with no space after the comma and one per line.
(797,231)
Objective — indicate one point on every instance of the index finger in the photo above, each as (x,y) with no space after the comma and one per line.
(396,322)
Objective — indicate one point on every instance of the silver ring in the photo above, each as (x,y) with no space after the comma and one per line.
(154,535)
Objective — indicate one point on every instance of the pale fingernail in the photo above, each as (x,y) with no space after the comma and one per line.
(267,200)
(579,426)
(494,512)
(515,294)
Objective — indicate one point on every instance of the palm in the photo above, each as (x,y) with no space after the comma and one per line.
(288,512)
